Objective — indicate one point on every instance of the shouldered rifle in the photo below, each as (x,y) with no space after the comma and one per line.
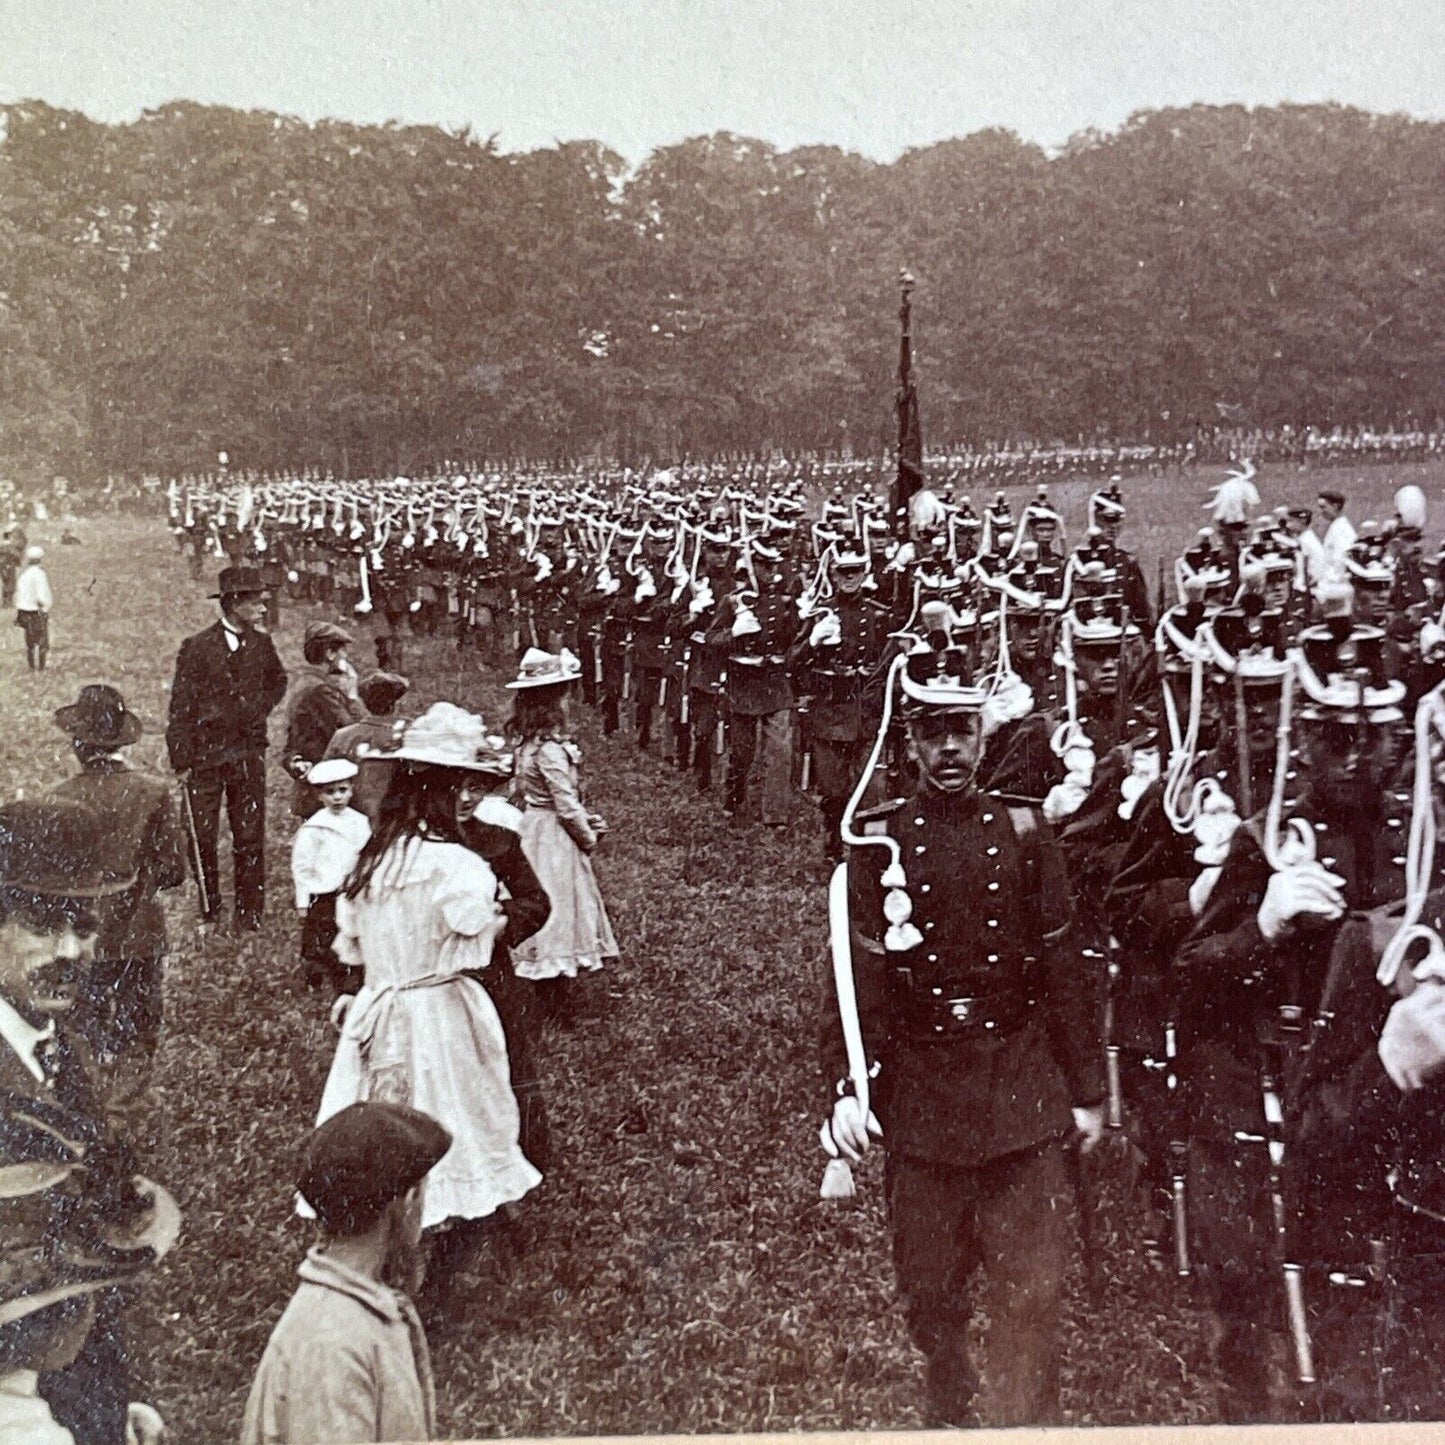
(1291,1270)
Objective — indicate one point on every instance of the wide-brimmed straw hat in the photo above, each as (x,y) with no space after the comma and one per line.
(447,736)
(546,669)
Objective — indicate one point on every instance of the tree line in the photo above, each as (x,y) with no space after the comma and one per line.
(391,297)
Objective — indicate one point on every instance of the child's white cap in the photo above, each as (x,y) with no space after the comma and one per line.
(331,770)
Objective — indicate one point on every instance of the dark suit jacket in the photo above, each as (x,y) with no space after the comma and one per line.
(220,699)
(142,836)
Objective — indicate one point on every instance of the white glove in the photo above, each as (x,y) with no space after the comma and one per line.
(826,632)
(1305,891)
(746,624)
(1090,1125)
(1065,799)
(1412,1043)
(902,558)
(143,1424)
(847,1131)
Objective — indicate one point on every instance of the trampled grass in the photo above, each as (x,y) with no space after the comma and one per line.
(677,1270)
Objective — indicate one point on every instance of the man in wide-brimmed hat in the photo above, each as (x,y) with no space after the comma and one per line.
(120,1011)
(228,680)
(75,1218)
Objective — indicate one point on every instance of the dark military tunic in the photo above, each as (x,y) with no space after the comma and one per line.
(985,1033)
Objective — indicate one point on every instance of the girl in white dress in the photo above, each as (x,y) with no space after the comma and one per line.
(419,916)
(558,832)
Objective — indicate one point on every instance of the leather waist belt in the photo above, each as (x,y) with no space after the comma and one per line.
(938,1012)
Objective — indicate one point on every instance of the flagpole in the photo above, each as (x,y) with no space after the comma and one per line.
(910,437)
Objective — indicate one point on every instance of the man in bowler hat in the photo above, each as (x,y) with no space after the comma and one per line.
(228,681)
(75,1219)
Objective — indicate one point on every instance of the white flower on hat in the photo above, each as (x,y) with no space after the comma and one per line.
(447,736)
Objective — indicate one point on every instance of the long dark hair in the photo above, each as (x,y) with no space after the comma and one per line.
(420,802)
(537,712)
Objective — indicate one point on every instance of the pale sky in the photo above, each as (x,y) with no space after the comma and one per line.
(875,77)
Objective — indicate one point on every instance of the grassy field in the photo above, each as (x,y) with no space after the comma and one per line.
(677,1270)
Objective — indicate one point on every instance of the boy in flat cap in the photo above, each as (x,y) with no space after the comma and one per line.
(363,742)
(348,1360)
(228,679)
(323,699)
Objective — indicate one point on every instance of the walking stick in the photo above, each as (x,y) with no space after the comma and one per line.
(195,841)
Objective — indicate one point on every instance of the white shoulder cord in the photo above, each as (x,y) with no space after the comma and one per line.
(1420,853)
(1285,846)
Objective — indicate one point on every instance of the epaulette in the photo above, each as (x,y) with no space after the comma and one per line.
(874,820)
(1014,800)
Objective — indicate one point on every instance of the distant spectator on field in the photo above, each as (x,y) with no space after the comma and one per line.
(363,742)
(1339,531)
(348,1360)
(33,601)
(12,552)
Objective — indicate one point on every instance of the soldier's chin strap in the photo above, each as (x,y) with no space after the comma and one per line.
(1420,852)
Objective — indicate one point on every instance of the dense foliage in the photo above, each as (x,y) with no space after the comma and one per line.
(361,296)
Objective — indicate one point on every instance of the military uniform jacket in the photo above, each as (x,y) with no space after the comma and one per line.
(757,682)
(650,621)
(837,678)
(220,700)
(1232,981)
(992,905)
(142,836)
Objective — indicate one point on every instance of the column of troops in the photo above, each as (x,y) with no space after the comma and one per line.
(1235,765)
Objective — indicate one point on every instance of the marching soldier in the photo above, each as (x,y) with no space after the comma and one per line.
(1250,976)
(707,657)
(649,631)
(981,1034)
(758,625)
(838,652)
